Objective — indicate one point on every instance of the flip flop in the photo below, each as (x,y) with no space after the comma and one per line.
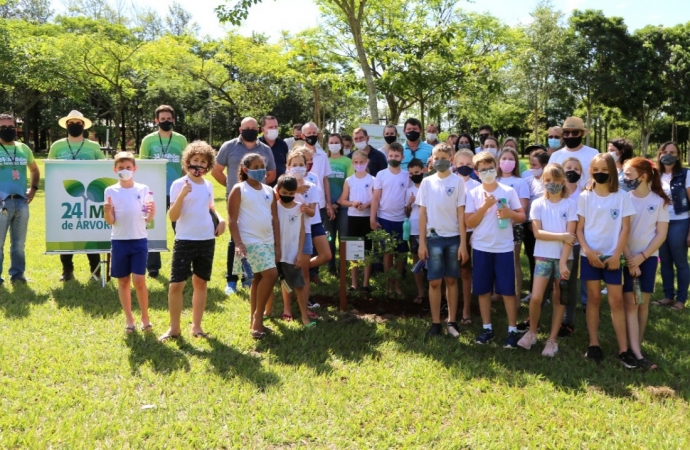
(130,329)
(146,328)
(678,306)
(664,302)
(258,335)
(313,315)
(167,336)
(466,321)
(286,317)
(310,325)
(200,334)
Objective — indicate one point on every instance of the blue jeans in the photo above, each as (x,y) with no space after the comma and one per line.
(17,222)
(443,257)
(674,252)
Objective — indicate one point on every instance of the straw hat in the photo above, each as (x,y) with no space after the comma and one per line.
(574,123)
(74,114)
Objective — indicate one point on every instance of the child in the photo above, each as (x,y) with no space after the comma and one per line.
(292,236)
(648,231)
(416,170)
(358,191)
(254,224)
(441,200)
(492,245)
(603,229)
(554,220)
(191,199)
(388,207)
(123,210)
(464,167)
(509,175)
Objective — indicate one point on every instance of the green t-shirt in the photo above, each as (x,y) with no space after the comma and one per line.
(9,161)
(156,147)
(341,168)
(75,150)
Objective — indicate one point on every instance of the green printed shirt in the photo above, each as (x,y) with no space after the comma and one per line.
(341,168)
(9,161)
(151,148)
(71,150)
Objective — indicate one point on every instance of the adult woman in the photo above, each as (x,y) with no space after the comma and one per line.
(675,180)
(341,168)
(464,141)
(622,150)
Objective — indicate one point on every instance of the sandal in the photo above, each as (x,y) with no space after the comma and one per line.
(664,302)
(466,321)
(310,325)
(129,329)
(678,306)
(644,363)
(200,334)
(313,315)
(146,328)
(258,335)
(419,300)
(286,317)
(167,336)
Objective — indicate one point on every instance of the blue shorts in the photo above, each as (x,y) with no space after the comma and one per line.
(395,229)
(489,268)
(317,230)
(308,247)
(589,273)
(128,257)
(443,257)
(647,276)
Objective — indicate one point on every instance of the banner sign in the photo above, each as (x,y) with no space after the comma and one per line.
(75,197)
(375,133)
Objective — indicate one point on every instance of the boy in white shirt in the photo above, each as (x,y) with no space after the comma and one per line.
(388,206)
(492,245)
(416,171)
(126,212)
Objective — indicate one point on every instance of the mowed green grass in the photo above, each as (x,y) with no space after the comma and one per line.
(71,378)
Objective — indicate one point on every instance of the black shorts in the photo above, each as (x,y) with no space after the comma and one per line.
(518,234)
(192,257)
(414,245)
(359,227)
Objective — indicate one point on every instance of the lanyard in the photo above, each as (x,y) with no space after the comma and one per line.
(164,150)
(74,156)
(13,158)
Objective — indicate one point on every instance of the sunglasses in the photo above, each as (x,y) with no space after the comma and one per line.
(575,133)
(5,127)
(484,135)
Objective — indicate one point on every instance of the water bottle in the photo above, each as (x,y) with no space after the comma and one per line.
(419,265)
(638,291)
(565,291)
(147,199)
(406,229)
(247,270)
(503,223)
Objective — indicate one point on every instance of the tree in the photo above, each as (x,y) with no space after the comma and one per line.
(35,11)
(178,20)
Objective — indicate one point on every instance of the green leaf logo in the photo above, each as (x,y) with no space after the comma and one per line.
(96,190)
(74,188)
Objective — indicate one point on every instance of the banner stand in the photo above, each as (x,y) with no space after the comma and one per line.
(351,249)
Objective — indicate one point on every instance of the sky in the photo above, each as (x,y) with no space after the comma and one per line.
(272,16)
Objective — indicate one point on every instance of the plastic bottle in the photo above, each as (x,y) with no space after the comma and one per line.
(406,229)
(503,223)
(638,291)
(419,265)
(147,199)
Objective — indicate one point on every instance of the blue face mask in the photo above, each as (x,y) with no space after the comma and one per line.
(554,143)
(632,184)
(257,174)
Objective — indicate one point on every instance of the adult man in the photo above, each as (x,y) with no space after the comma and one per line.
(377,160)
(573,132)
(414,147)
(348,144)
(484,132)
(74,146)
(432,134)
(296,139)
(269,128)
(15,158)
(230,156)
(390,135)
(169,145)
(554,139)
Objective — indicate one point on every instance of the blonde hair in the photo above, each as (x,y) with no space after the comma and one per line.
(484,157)
(464,152)
(516,169)
(443,147)
(557,174)
(360,153)
(573,159)
(299,152)
(613,172)
(124,156)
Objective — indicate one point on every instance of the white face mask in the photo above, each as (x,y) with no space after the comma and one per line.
(431,136)
(272,135)
(489,177)
(125,174)
(361,145)
(537,172)
(615,156)
(334,147)
(298,172)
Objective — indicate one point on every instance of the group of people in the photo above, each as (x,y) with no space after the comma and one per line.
(468,211)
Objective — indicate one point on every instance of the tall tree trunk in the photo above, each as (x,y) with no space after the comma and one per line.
(674,129)
(421,112)
(354,20)
(588,123)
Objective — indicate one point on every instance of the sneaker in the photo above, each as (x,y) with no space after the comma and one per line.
(594,353)
(526,298)
(231,287)
(311,304)
(434,331)
(605,291)
(566,330)
(523,326)
(645,364)
(485,337)
(67,276)
(19,279)
(153,274)
(512,340)
(528,340)
(550,349)
(453,330)
(628,360)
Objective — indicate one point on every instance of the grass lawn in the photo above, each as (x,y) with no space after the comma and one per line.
(71,378)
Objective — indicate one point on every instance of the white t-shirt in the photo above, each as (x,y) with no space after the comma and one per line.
(554,218)
(488,236)
(393,188)
(289,220)
(414,210)
(192,224)
(536,190)
(604,218)
(309,197)
(649,211)
(361,190)
(584,155)
(318,182)
(321,168)
(255,220)
(442,197)
(520,185)
(666,186)
(128,206)
(469,185)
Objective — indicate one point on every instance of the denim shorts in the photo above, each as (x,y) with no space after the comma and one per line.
(308,247)
(647,276)
(547,267)
(443,257)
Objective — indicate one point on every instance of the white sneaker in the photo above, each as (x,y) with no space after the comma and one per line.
(526,298)
(550,349)
(528,340)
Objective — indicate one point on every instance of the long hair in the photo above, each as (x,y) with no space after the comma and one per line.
(645,167)
(516,169)
(613,172)
(678,166)
(246,162)
(340,138)
(557,174)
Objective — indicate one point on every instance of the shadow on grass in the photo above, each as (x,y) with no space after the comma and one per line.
(15,303)
(144,347)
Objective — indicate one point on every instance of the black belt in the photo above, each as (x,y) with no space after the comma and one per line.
(14,197)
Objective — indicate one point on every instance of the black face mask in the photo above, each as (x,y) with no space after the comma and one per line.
(465,171)
(394,163)
(75,129)
(287,198)
(8,134)
(601,177)
(416,179)
(572,176)
(390,139)
(165,126)
(482,139)
(311,140)
(250,135)
(572,142)
(412,136)
(197,171)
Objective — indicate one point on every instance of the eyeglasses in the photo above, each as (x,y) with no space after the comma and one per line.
(554,137)
(5,127)
(484,135)
(485,171)
(575,133)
